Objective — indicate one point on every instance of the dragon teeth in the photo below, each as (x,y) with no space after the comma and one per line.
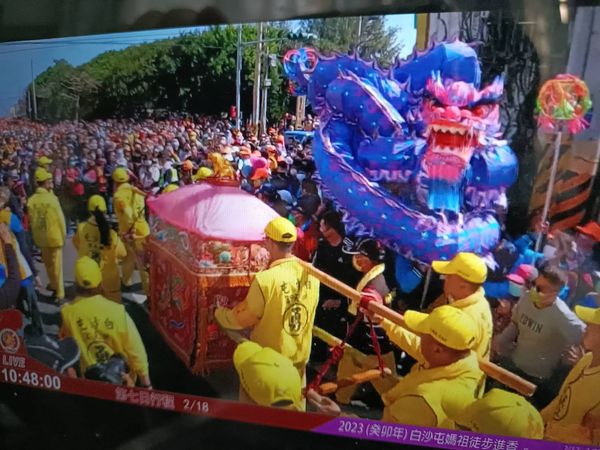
(449,129)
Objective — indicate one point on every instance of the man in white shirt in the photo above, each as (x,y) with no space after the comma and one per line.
(541,330)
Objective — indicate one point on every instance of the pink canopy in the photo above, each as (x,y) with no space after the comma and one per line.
(214,212)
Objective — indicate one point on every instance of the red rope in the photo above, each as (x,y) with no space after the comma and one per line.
(337,352)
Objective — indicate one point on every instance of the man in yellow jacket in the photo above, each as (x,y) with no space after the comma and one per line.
(48,229)
(95,239)
(280,305)
(447,377)
(463,289)
(101,327)
(574,415)
(130,207)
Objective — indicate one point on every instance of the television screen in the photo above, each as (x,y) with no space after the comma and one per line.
(379,227)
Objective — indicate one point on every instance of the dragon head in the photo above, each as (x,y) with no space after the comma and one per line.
(459,118)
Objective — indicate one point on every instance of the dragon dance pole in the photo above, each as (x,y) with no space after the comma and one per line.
(550,189)
(492,370)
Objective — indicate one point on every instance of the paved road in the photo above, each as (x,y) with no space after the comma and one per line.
(167,372)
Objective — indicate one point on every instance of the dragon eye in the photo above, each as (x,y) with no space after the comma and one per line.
(481,110)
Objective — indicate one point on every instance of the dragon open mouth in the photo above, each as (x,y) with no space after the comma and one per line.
(451,145)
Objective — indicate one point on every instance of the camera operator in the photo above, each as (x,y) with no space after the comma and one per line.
(107,336)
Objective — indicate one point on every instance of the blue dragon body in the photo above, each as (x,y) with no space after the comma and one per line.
(411,153)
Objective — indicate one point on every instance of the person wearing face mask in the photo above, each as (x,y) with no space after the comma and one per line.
(281,302)
(521,280)
(368,258)
(330,257)
(540,332)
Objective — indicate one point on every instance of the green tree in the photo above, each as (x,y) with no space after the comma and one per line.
(193,73)
(53,103)
(127,79)
(345,34)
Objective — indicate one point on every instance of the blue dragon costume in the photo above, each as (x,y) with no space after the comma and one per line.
(412,154)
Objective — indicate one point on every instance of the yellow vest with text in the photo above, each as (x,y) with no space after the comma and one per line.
(47,219)
(87,242)
(290,300)
(101,329)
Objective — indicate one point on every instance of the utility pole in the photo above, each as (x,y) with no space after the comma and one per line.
(33,92)
(268,63)
(77,108)
(300,111)
(29,115)
(257,79)
(265,94)
(238,77)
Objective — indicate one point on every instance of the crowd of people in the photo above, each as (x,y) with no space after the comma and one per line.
(535,314)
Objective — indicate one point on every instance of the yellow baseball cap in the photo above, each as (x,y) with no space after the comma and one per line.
(588,315)
(87,273)
(468,266)
(96,202)
(203,172)
(170,188)
(42,175)
(505,414)
(281,230)
(447,325)
(268,377)
(44,161)
(120,175)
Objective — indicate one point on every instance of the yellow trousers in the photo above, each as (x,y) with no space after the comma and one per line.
(351,364)
(53,261)
(133,261)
